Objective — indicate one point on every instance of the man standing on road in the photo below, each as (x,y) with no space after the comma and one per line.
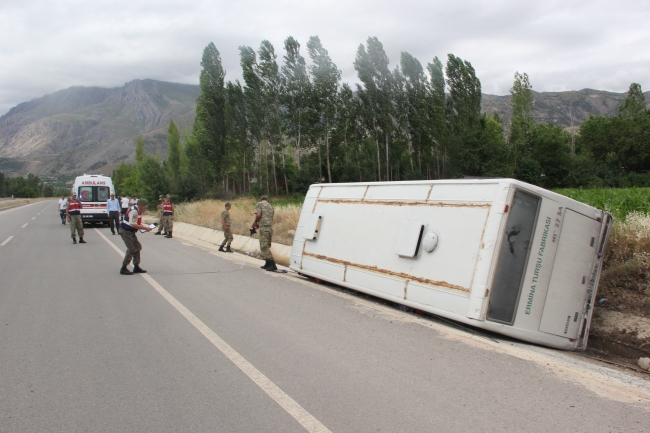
(73,214)
(62,203)
(227,233)
(113,209)
(168,216)
(125,206)
(161,197)
(128,229)
(264,221)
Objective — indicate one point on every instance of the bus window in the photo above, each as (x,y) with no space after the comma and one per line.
(86,193)
(513,257)
(102,193)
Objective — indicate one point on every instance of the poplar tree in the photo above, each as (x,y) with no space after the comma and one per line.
(325,79)
(139,149)
(297,87)
(438,126)
(173,152)
(209,125)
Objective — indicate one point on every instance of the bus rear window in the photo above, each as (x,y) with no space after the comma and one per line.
(513,257)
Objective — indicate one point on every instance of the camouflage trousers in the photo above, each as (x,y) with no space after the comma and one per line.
(227,237)
(167,223)
(76,224)
(133,248)
(160,223)
(266,233)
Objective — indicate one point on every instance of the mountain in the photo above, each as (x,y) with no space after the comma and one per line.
(568,109)
(93,129)
(84,128)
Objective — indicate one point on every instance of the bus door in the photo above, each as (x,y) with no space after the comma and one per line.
(570,282)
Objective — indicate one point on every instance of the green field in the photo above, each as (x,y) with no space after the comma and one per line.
(617,201)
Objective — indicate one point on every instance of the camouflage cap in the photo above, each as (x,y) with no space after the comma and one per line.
(227,204)
(142,202)
(169,196)
(265,198)
(161,196)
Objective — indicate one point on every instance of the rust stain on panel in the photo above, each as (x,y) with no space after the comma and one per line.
(405,203)
(387,272)
(428,195)
(406,284)
(480,251)
(345,273)
(364,193)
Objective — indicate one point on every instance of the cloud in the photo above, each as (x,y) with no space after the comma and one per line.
(47,46)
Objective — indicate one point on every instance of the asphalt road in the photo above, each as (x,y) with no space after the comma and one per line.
(204,344)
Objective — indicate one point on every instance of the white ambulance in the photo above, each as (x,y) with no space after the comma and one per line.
(93,190)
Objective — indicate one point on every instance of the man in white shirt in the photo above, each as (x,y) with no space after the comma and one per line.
(125,205)
(128,229)
(62,202)
(113,209)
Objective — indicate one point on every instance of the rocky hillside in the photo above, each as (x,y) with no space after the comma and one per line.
(84,128)
(93,129)
(568,109)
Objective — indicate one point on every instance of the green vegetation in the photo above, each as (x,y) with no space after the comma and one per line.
(618,201)
(29,187)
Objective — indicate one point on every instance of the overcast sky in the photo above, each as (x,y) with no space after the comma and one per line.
(48,45)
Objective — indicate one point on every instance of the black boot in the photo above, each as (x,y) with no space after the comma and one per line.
(125,271)
(169,235)
(74,240)
(271,266)
(221,249)
(157,233)
(228,250)
(266,263)
(138,270)
(81,241)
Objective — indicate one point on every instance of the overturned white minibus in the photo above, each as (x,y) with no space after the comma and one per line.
(497,254)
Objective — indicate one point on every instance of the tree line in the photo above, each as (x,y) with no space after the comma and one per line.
(28,187)
(291,123)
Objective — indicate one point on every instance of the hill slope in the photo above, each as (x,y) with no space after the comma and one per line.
(82,128)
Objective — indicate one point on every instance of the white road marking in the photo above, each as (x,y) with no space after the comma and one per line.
(34,218)
(24,225)
(19,207)
(307,420)
(6,241)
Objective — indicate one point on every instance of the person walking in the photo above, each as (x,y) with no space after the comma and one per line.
(124,203)
(73,215)
(62,203)
(128,229)
(264,221)
(113,209)
(168,216)
(225,226)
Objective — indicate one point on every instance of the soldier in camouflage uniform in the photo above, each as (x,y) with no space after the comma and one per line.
(227,233)
(264,222)
(160,221)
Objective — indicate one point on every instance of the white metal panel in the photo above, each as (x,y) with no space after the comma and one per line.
(476,192)
(325,269)
(567,290)
(437,298)
(343,192)
(380,283)
(399,192)
(365,234)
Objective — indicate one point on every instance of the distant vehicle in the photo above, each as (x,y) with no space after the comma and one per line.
(497,254)
(93,190)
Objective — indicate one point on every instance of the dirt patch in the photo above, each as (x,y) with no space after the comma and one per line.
(619,337)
